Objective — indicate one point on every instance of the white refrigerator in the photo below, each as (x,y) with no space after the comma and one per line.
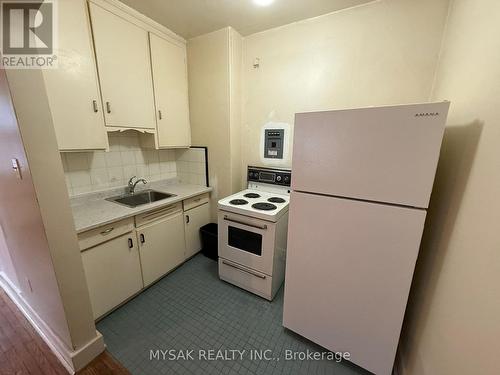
(362,181)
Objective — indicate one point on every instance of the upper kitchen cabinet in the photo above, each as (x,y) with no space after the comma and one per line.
(123,62)
(168,59)
(72,88)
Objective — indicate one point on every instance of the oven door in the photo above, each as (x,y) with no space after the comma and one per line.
(247,241)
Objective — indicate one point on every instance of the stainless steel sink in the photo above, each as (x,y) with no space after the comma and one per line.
(140,198)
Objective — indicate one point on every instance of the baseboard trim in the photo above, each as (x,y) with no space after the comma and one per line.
(83,356)
(72,360)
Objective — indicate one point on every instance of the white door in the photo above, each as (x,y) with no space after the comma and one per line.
(171,92)
(162,247)
(123,62)
(385,154)
(194,219)
(72,88)
(349,268)
(246,241)
(113,273)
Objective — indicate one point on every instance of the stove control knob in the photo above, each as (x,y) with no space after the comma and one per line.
(278,178)
(287,179)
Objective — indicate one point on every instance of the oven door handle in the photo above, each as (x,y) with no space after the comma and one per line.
(264,227)
(244,270)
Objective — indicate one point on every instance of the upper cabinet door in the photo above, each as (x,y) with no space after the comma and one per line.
(124,70)
(171,92)
(72,88)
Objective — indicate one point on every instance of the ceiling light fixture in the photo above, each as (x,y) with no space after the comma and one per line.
(263,3)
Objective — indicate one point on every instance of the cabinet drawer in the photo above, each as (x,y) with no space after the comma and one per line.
(105,233)
(246,278)
(195,201)
(149,217)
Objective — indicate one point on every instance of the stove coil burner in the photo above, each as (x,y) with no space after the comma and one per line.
(252,195)
(238,202)
(276,200)
(264,206)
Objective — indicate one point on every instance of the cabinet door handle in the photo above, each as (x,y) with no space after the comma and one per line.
(107,231)
(142,238)
(108,107)
(94,105)
(159,114)
(130,243)
(187,219)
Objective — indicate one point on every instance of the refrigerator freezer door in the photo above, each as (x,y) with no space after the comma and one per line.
(384,154)
(348,273)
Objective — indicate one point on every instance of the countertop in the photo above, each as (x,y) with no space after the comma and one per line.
(93,210)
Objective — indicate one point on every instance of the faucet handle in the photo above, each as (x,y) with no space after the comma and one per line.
(131,181)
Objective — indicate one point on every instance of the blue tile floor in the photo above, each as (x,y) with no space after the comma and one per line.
(191,309)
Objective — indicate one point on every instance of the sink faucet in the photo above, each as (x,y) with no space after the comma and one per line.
(132,184)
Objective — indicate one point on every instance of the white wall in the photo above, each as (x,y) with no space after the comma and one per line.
(383,52)
(235,109)
(37,222)
(453,322)
(7,269)
(208,67)
(22,224)
(213,73)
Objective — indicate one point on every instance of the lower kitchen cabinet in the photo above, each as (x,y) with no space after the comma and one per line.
(122,258)
(161,246)
(194,219)
(113,272)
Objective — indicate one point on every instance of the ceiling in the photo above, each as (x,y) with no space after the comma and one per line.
(190,18)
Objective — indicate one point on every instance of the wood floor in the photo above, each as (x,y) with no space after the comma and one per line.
(105,364)
(23,352)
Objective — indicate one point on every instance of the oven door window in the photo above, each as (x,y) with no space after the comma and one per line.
(245,240)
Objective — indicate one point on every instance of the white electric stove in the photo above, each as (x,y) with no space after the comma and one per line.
(253,228)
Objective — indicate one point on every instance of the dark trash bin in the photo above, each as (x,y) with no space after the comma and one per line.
(209,240)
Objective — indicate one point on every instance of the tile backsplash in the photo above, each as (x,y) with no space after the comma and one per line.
(191,167)
(99,170)
(93,171)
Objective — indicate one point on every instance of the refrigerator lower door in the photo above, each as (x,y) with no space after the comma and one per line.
(348,273)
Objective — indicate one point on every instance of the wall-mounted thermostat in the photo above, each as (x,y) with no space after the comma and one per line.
(274,140)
